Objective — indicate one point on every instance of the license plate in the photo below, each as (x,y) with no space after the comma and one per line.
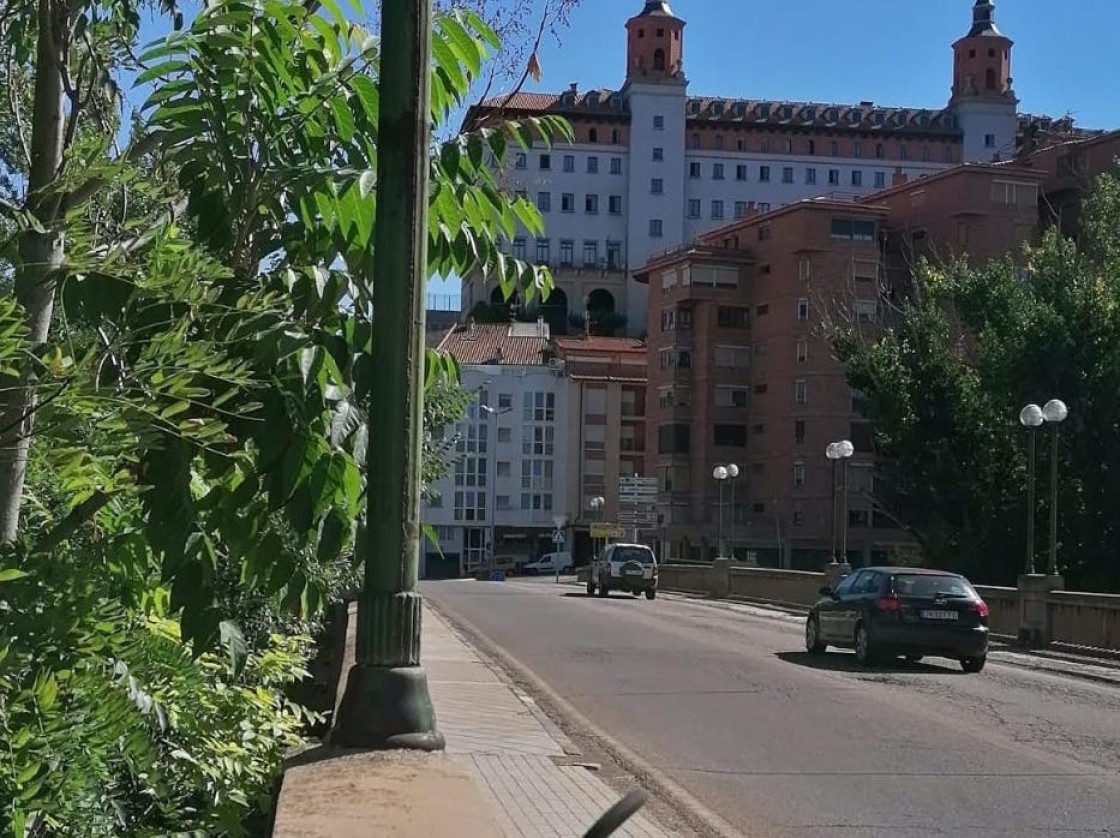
(632,571)
(939,615)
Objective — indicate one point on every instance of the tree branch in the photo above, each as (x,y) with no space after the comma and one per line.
(69,525)
(17,115)
(145,145)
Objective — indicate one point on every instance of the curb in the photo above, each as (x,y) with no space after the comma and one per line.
(647,775)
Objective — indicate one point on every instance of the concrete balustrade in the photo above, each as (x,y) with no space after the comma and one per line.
(1037,612)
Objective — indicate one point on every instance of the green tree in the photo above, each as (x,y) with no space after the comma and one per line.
(946,382)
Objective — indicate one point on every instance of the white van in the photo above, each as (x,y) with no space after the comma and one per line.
(549,563)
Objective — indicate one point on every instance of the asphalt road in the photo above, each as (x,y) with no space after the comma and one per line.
(780,743)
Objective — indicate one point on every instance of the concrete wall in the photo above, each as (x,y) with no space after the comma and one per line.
(1003,607)
(791,587)
(1081,619)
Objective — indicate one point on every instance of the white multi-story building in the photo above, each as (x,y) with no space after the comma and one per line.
(653,166)
(508,485)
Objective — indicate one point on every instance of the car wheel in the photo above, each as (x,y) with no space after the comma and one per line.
(590,588)
(864,652)
(651,593)
(973,665)
(813,642)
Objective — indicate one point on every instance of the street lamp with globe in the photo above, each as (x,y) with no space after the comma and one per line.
(1032,417)
(721,474)
(596,504)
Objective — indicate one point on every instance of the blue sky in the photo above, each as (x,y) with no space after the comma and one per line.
(892,52)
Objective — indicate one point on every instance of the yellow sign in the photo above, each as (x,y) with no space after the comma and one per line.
(606,531)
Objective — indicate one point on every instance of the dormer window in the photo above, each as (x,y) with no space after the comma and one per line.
(764,110)
(810,114)
(741,109)
(616,102)
(856,116)
(832,115)
(694,106)
(593,99)
(787,112)
(717,108)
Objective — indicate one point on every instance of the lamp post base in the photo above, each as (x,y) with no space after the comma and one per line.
(386,708)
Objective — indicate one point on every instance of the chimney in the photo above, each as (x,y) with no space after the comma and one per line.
(498,355)
(573,87)
(899,177)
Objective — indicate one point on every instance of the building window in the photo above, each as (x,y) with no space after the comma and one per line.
(696,141)
(811,176)
(799,431)
(761,309)
(536,474)
(812,143)
(732,397)
(798,517)
(591,204)
(764,207)
(593,165)
(658,155)
(521,161)
(593,137)
(880,180)
(925,153)
(657,186)
(758,508)
(1014,193)
(867,311)
(546,162)
(614,205)
(764,174)
(505,402)
(717,210)
(673,439)
(740,209)
(803,309)
(732,317)
(760,389)
(616,165)
(904,152)
(857,149)
(853,230)
(798,475)
(740,172)
(543,254)
(470,506)
(717,171)
(567,202)
(694,208)
(655,228)
(759,429)
(544,201)
(730,436)
(590,254)
(879,151)
(764,231)
(764,144)
(614,255)
(804,269)
(800,391)
(833,177)
(719,137)
(694,170)
(857,177)
(803,352)
(519,248)
(569,163)
(539,407)
(834,149)
(567,252)
(658,123)
(787,174)
(733,356)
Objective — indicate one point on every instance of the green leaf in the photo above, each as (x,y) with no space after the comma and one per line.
(11,574)
(236,646)
(46,692)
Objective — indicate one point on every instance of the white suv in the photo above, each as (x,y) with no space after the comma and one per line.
(624,567)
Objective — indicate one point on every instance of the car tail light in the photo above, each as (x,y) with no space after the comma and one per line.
(979,608)
(889,604)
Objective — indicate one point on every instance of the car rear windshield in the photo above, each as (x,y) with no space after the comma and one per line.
(633,554)
(929,586)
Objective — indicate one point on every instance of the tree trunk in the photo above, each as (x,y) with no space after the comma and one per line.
(41,252)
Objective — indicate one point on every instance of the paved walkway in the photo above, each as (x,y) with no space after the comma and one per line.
(512,750)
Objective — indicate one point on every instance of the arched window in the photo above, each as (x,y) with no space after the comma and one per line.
(593,135)
(659,59)
(990,79)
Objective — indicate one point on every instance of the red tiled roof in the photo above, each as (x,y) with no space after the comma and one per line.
(598,344)
(865,116)
(493,343)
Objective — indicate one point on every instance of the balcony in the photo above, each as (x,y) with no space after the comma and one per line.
(635,446)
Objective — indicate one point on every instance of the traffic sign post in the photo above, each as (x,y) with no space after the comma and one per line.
(638,498)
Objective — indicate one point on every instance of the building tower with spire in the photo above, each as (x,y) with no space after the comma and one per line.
(983,99)
(656,94)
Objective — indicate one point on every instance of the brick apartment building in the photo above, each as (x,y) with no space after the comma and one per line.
(741,370)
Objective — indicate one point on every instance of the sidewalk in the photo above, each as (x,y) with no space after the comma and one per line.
(503,772)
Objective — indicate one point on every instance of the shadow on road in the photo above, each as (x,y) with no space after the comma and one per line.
(841,662)
(585,595)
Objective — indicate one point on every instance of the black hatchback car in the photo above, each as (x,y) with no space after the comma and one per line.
(886,612)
